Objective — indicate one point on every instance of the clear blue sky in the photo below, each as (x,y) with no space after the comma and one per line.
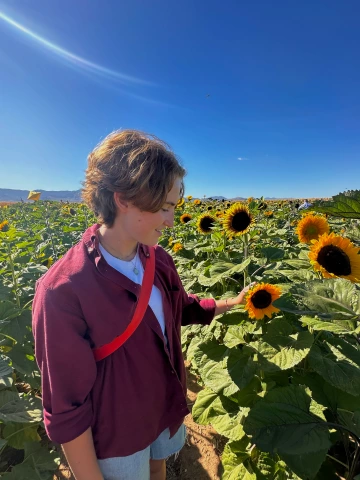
(274,83)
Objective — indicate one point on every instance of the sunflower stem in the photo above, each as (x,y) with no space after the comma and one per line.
(245,240)
(14,279)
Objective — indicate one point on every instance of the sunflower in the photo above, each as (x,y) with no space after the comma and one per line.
(238,220)
(335,256)
(205,223)
(269,213)
(177,247)
(209,208)
(4,226)
(262,206)
(311,227)
(250,199)
(189,197)
(180,203)
(185,217)
(170,240)
(259,300)
(197,202)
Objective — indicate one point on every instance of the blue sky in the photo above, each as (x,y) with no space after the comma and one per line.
(255,97)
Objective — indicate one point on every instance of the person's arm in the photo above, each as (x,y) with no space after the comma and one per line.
(223,306)
(81,457)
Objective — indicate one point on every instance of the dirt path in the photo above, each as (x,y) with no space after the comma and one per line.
(200,457)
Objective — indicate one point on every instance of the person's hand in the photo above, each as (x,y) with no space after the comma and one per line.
(240,299)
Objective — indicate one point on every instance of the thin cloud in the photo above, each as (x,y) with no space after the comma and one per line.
(79,62)
(242,158)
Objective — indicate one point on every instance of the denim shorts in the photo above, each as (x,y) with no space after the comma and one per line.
(137,466)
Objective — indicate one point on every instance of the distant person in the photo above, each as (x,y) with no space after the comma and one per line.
(118,411)
(306,204)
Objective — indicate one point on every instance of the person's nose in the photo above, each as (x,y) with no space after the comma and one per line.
(169,221)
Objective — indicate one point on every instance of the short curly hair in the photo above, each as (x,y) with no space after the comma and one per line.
(139,166)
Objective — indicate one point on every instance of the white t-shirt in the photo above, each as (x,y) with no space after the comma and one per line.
(127,269)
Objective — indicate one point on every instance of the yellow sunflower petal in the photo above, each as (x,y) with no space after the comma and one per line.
(205,223)
(237,220)
(259,301)
(311,227)
(335,256)
(185,217)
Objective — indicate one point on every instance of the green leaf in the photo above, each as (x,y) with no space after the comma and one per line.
(345,204)
(222,413)
(350,420)
(18,326)
(235,336)
(336,326)
(326,394)
(241,368)
(23,359)
(336,299)
(210,359)
(5,368)
(340,373)
(282,352)
(5,292)
(17,434)
(14,408)
(232,459)
(282,423)
(39,456)
(272,253)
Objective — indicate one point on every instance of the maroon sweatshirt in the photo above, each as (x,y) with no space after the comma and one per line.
(130,397)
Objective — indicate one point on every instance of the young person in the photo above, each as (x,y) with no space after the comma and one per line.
(119,417)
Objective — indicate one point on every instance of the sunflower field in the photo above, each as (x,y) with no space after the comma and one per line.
(280,374)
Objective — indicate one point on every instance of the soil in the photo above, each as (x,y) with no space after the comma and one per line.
(200,457)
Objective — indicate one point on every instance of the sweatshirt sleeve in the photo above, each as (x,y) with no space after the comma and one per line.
(68,368)
(194,310)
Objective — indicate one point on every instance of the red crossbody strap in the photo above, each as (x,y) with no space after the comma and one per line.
(101,352)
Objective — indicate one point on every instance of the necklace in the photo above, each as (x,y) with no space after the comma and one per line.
(135,269)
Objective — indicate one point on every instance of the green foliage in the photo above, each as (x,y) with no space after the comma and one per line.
(346,205)
(284,391)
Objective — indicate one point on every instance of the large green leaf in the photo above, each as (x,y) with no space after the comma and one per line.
(282,423)
(235,453)
(18,326)
(345,204)
(336,299)
(17,434)
(336,326)
(351,420)
(326,394)
(338,372)
(39,464)
(282,352)
(241,368)
(14,408)
(5,368)
(222,413)
(210,359)
(221,270)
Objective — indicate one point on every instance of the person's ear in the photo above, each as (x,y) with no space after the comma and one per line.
(120,203)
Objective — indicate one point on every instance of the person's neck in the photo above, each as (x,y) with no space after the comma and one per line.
(117,243)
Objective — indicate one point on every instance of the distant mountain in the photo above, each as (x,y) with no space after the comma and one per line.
(9,195)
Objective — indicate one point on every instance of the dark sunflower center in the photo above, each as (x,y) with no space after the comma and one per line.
(186,219)
(334,260)
(206,224)
(261,299)
(240,221)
